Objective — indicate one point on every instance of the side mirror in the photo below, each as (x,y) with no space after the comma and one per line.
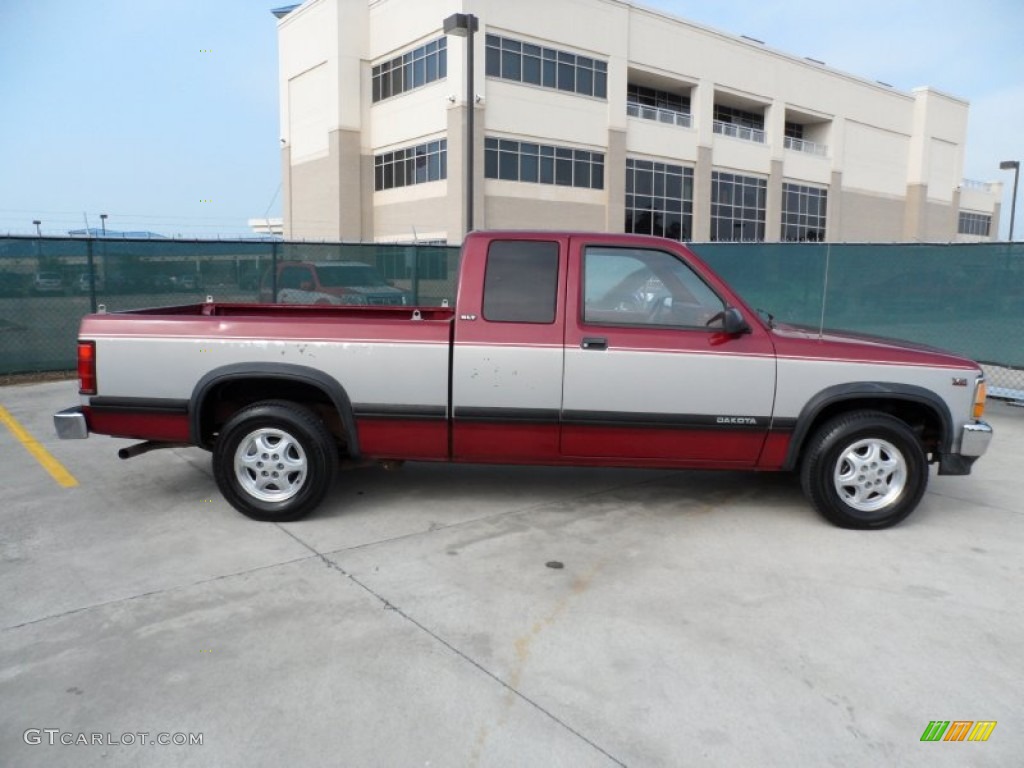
(733,322)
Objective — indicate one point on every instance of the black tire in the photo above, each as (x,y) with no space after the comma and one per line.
(864,470)
(275,436)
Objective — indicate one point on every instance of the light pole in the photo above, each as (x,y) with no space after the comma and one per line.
(1005,166)
(39,232)
(464,25)
(103,223)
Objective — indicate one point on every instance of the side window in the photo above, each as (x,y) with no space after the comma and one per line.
(521,282)
(294,277)
(639,287)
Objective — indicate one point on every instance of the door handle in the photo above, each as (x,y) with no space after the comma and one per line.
(594,342)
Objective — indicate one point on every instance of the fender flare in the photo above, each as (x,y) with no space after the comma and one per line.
(867,390)
(275,371)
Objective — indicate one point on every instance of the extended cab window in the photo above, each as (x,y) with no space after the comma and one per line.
(520,284)
(633,286)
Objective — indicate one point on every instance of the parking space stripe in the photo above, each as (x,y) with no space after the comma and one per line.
(34,447)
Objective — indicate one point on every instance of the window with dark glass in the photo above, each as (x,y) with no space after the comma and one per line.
(739,117)
(412,165)
(524,62)
(804,213)
(643,287)
(659,199)
(652,97)
(410,70)
(794,130)
(521,281)
(974,224)
(541,164)
(737,207)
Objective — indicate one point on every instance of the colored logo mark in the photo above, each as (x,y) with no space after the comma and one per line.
(958,730)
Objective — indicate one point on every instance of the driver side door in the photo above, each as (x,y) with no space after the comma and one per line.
(650,375)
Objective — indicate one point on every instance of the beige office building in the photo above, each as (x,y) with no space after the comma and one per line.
(603,115)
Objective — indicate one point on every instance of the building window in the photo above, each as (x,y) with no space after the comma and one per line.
(737,207)
(540,164)
(804,212)
(739,124)
(974,224)
(663,106)
(794,130)
(549,68)
(651,97)
(412,165)
(521,282)
(659,199)
(739,117)
(411,70)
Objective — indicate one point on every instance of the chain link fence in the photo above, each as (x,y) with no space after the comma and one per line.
(967,298)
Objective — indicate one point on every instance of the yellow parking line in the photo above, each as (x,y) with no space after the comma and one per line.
(33,446)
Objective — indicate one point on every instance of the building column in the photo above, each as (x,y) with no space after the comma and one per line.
(367,188)
(702,196)
(773,205)
(457,224)
(456,174)
(615,181)
(286,191)
(834,208)
(346,147)
(915,215)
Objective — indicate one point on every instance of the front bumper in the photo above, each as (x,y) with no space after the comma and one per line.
(974,440)
(70,424)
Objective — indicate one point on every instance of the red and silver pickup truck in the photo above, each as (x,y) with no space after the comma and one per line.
(562,348)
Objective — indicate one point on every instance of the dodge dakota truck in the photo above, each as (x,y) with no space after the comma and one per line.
(562,348)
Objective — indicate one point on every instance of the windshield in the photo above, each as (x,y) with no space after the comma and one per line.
(342,275)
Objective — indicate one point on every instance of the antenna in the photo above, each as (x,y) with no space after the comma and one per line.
(824,292)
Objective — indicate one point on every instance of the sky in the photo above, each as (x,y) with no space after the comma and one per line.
(163,114)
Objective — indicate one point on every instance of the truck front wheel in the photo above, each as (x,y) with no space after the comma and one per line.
(274,461)
(864,470)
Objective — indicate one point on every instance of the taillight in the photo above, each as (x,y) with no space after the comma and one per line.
(87,367)
(980,393)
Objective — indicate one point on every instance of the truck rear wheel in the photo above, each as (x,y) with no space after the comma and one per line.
(274,461)
(864,470)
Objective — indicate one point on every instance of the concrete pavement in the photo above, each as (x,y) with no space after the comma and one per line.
(699,619)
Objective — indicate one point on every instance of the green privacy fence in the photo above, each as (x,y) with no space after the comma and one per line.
(47,284)
(968,298)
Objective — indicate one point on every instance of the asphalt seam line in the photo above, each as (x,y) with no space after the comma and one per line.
(388,605)
(35,448)
(155,592)
(540,505)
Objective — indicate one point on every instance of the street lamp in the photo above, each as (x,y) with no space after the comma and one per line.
(1005,166)
(464,25)
(37,222)
(103,223)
